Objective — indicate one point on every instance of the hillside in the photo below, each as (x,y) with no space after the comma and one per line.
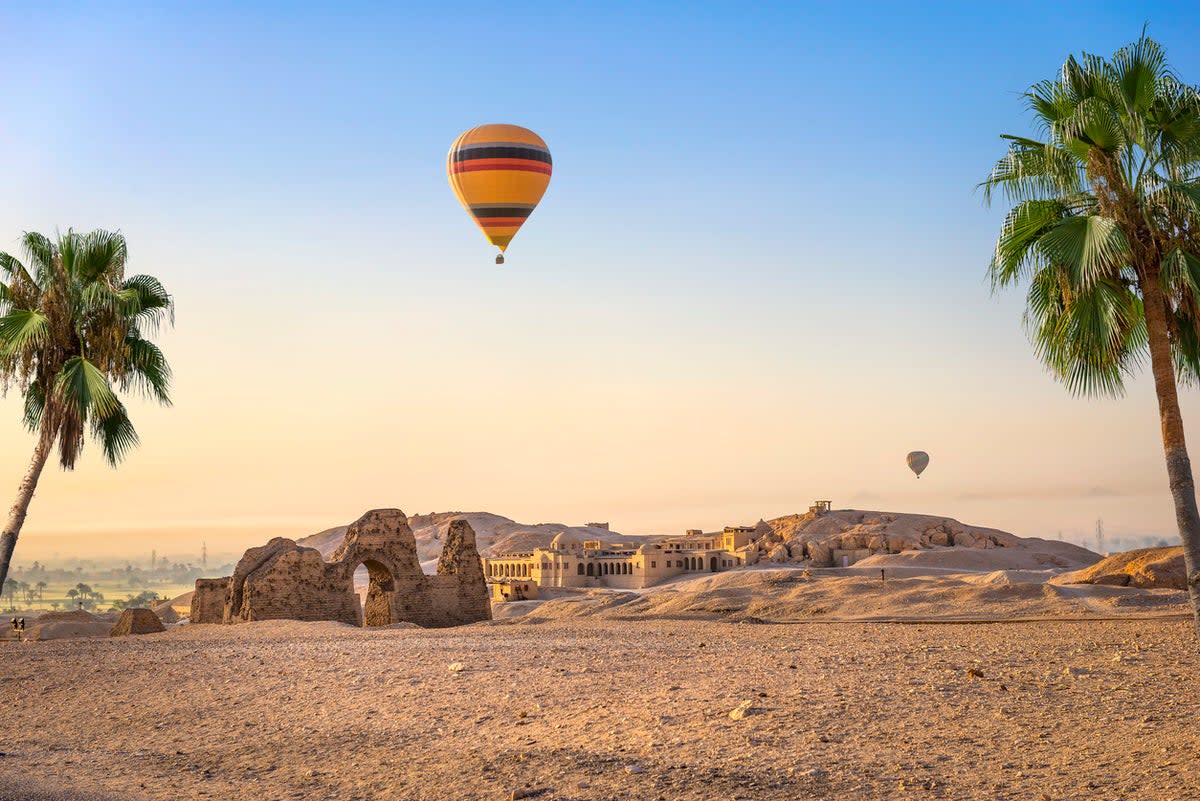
(494,535)
(896,539)
(912,540)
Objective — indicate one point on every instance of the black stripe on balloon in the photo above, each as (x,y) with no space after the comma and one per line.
(501,211)
(501,152)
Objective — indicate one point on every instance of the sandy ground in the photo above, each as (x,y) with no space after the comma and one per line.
(589,708)
(793,595)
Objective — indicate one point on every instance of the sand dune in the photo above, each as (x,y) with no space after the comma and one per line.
(1144,567)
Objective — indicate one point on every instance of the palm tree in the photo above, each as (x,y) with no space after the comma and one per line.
(41,590)
(71,330)
(72,593)
(1106,231)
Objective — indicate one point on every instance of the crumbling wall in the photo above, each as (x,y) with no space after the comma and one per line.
(293,583)
(454,590)
(284,580)
(208,601)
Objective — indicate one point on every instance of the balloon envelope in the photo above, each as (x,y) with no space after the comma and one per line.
(499,173)
(918,461)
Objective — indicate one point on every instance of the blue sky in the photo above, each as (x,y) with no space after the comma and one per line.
(758,274)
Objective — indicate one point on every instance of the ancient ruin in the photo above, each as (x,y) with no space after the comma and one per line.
(284,580)
(137,621)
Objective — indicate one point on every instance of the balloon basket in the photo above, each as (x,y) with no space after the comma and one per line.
(499,258)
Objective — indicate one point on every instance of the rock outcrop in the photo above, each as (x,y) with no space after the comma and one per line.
(814,537)
(137,620)
(283,579)
(1149,568)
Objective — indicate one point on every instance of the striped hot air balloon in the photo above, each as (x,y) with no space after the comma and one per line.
(499,173)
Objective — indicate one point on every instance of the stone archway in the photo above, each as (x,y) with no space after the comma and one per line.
(377,607)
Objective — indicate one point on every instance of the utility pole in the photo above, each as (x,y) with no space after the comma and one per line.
(1100,536)
(153,559)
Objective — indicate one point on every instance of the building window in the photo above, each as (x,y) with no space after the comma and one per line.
(653,564)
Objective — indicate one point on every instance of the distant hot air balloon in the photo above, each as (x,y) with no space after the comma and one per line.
(918,461)
(499,173)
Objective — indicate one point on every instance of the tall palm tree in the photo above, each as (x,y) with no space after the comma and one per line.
(1106,231)
(71,332)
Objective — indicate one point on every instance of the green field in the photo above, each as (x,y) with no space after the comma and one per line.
(55,593)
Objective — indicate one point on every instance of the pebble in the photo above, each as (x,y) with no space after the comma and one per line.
(741,710)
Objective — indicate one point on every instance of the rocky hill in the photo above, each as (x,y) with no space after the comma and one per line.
(917,539)
(494,534)
(894,539)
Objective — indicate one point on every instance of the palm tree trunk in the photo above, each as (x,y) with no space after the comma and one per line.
(1179,467)
(20,507)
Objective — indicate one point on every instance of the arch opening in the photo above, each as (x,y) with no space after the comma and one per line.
(375,598)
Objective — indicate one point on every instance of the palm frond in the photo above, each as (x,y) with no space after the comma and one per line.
(99,253)
(1033,171)
(1094,123)
(1187,344)
(1138,68)
(21,329)
(146,299)
(1091,248)
(1090,340)
(40,252)
(1016,254)
(35,404)
(148,368)
(14,269)
(116,434)
(82,388)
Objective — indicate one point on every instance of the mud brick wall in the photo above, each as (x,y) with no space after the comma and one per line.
(208,601)
(285,580)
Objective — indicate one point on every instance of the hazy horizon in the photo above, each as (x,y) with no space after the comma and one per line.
(757,278)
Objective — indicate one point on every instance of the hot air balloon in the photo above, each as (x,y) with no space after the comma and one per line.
(499,173)
(918,461)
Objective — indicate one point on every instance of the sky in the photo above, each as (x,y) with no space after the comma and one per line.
(757,278)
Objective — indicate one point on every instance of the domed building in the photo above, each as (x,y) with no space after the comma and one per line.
(566,541)
(571,562)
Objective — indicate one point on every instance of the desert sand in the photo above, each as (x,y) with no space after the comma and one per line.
(590,709)
(938,671)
